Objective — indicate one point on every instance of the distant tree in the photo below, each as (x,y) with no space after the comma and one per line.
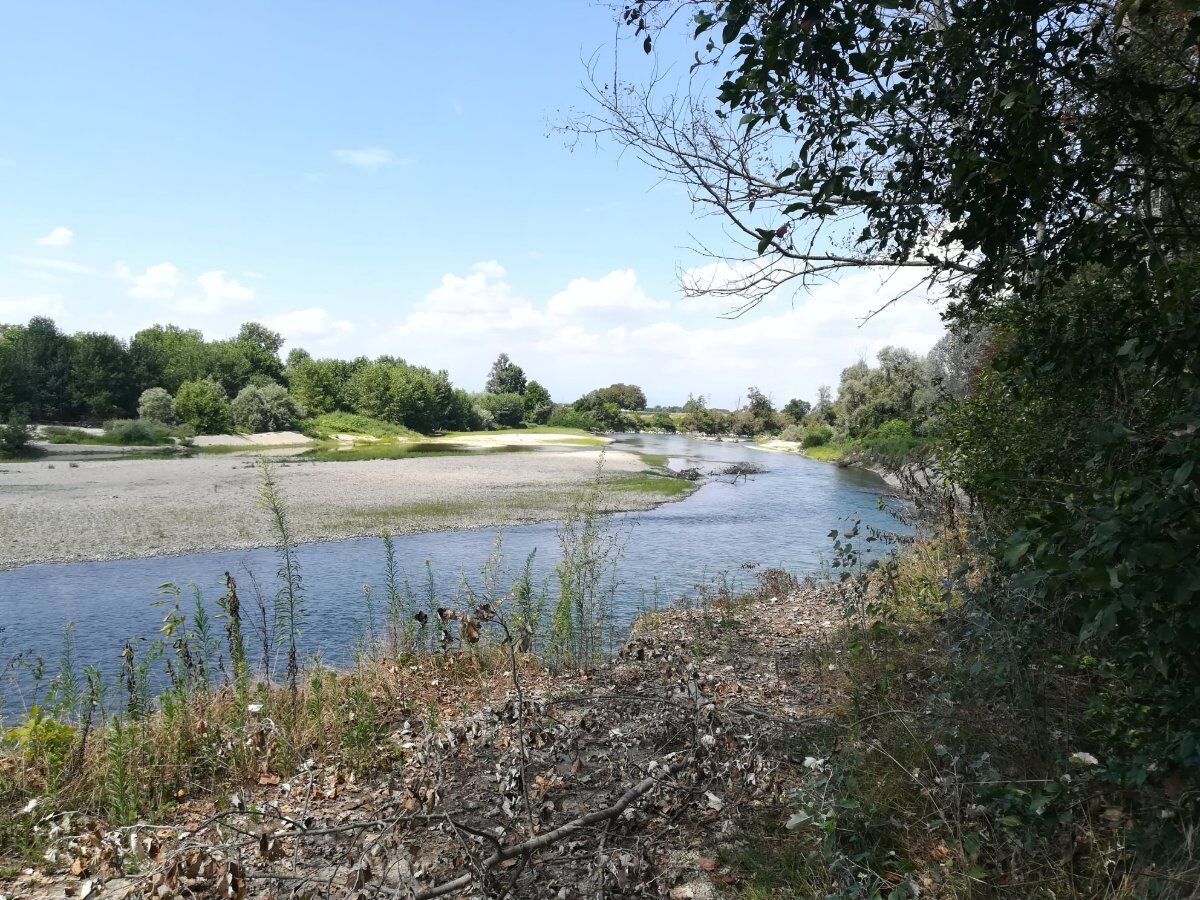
(795,410)
(824,412)
(204,405)
(100,379)
(156,405)
(662,421)
(506,377)
(538,405)
(266,408)
(507,409)
(43,356)
(954,361)
(166,356)
(261,347)
(898,389)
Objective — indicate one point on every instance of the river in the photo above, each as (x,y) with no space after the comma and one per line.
(779,518)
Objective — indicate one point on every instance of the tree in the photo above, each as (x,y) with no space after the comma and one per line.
(508,410)
(506,377)
(156,405)
(204,405)
(662,421)
(41,363)
(795,410)
(898,389)
(166,356)
(261,346)
(100,382)
(267,408)
(1038,160)
(538,405)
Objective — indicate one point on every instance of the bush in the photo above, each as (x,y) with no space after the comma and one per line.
(794,433)
(566,417)
(817,436)
(157,405)
(204,405)
(14,436)
(508,409)
(892,442)
(136,432)
(662,421)
(266,408)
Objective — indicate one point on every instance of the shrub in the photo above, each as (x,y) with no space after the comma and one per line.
(204,405)
(509,409)
(793,433)
(566,417)
(817,436)
(14,436)
(266,408)
(135,431)
(662,421)
(892,442)
(157,405)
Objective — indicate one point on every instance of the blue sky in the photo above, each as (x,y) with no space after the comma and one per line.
(375,177)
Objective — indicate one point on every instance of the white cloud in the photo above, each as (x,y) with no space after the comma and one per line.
(370,159)
(596,331)
(616,291)
(57,265)
(158,282)
(19,309)
(218,292)
(58,237)
(314,322)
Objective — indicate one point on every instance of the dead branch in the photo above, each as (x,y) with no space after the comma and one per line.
(542,841)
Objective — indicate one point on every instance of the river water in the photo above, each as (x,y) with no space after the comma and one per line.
(778,518)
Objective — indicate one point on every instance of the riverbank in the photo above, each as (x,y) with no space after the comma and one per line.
(640,775)
(95,510)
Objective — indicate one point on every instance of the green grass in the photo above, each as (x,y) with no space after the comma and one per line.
(652,483)
(827,452)
(327,424)
(659,460)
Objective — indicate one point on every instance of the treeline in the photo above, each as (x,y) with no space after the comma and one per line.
(891,410)
(172,378)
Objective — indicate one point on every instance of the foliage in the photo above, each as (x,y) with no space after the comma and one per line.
(328,424)
(898,389)
(569,417)
(204,405)
(795,410)
(662,421)
(157,405)
(415,397)
(319,385)
(505,377)
(136,432)
(14,436)
(266,408)
(1093,492)
(586,575)
(892,443)
(623,396)
(538,405)
(507,410)
(816,436)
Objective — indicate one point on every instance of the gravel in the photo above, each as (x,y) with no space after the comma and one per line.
(54,511)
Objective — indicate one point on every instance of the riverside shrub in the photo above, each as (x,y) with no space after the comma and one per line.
(204,405)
